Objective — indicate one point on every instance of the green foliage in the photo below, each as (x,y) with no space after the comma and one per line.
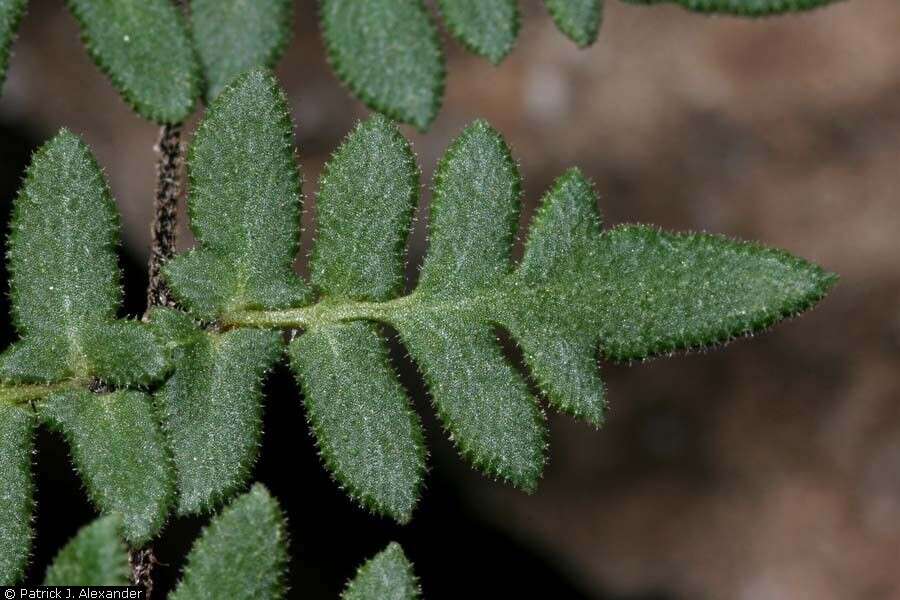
(65,297)
(145,48)
(233,36)
(95,556)
(483,402)
(627,293)
(16,502)
(631,292)
(485,27)
(750,8)
(387,576)
(559,351)
(481,399)
(474,213)
(369,437)
(244,205)
(578,19)
(11,12)
(242,554)
(672,292)
(364,209)
(211,407)
(634,291)
(119,452)
(388,53)
(65,278)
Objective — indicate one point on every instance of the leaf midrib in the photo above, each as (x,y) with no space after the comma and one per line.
(329,310)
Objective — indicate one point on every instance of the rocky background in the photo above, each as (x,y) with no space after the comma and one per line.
(768,470)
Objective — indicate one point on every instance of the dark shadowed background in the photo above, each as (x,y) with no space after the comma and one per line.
(770,469)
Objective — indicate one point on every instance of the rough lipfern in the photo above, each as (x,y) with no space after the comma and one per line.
(232,36)
(144,46)
(388,52)
(95,556)
(16,439)
(79,366)
(241,554)
(388,574)
(629,292)
(165,415)
(632,291)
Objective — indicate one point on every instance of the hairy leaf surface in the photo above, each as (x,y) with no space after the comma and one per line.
(633,290)
(387,576)
(11,12)
(474,212)
(578,19)
(368,435)
(560,352)
(242,554)
(753,8)
(630,292)
(388,53)
(16,500)
(483,402)
(65,279)
(119,451)
(643,292)
(485,27)
(244,204)
(363,212)
(211,407)
(233,36)
(145,48)
(95,556)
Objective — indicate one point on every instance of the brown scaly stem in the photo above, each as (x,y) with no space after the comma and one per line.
(162,248)
(142,562)
(165,216)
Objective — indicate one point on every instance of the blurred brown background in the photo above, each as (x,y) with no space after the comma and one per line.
(770,469)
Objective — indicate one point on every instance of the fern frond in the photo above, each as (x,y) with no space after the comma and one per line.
(628,292)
